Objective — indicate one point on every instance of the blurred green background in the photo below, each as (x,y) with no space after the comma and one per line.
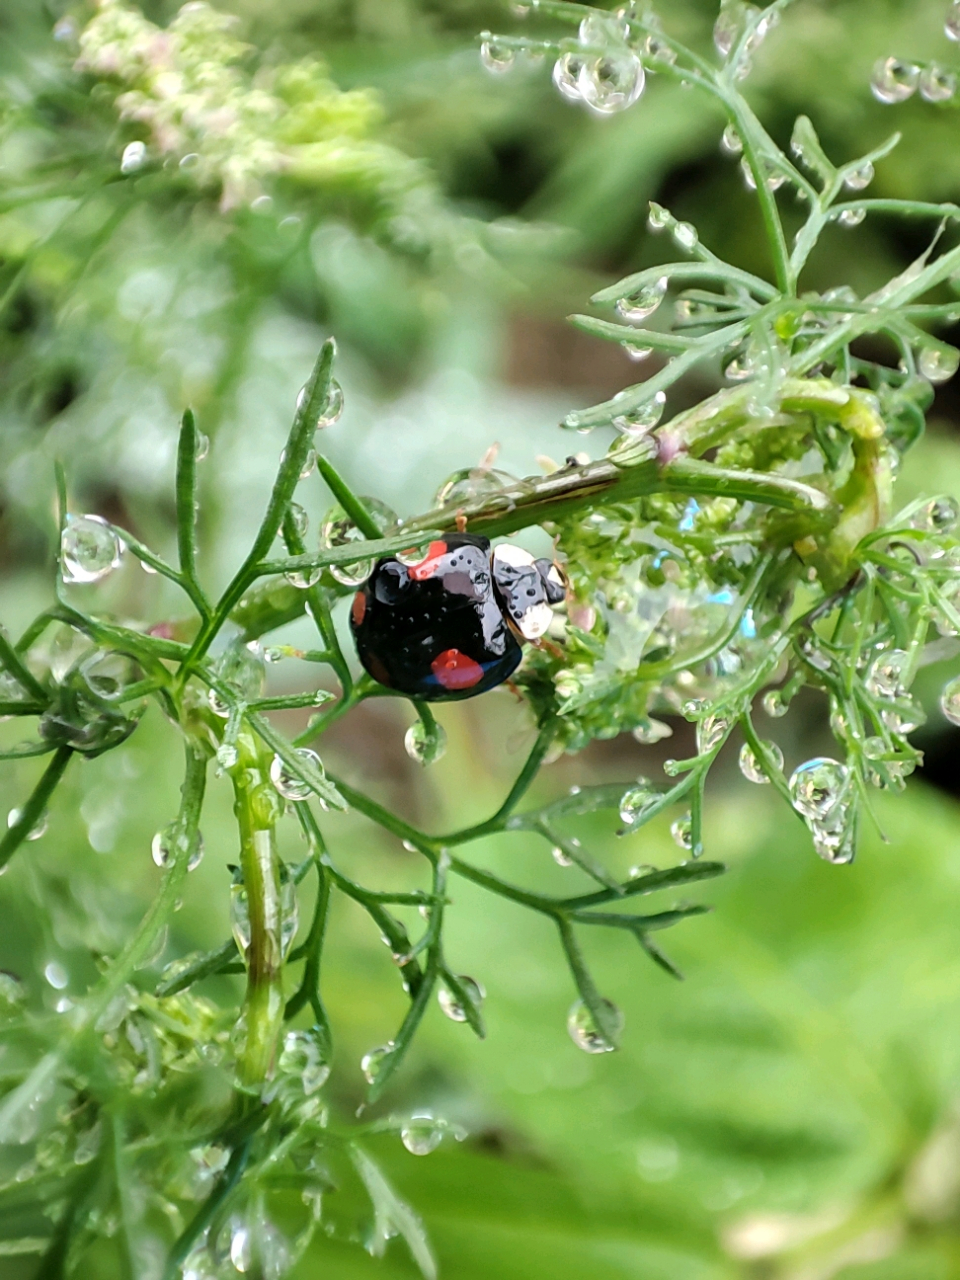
(792,1109)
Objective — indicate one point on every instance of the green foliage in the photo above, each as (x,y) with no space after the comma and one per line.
(746,544)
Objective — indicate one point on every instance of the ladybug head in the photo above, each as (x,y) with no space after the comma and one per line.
(526,589)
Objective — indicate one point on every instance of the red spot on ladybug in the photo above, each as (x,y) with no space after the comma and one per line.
(358,608)
(454,670)
(430,563)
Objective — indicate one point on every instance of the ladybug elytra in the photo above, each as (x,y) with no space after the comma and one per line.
(450,625)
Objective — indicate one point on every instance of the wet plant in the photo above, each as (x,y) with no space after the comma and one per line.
(718,558)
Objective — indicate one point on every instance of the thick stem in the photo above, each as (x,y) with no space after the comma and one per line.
(257,810)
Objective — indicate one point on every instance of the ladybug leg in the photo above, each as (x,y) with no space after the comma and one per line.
(551,647)
(461,522)
(514,689)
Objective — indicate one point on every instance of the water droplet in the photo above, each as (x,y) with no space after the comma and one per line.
(309,464)
(751,767)
(817,786)
(163,845)
(659,218)
(560,858)
(834,835)
(937,84)
(938,362)
(424,745)
(939,515)
(299,518)
(37,830)
(203,446)
(421,1134)
(496,56)
(642,418)
(88,1144)
(860,177)
(372,1061)
(887,674)
(748,178)
(657,50)
(89,549)
(815,654)
(333,409)
(727,28)
(217,705)
(302,1055)
(774,704)
(951,25)
(338,530)
(893,80)
(731,143)
(566,75)
(950,701)
(681,829)
(711,731)
(242,668)
(196,855)
(641,305)
(611,83)
(290,785)
(449,1003)
(852,217)
(685,234)
(240,917)
(637,800)
(585,1033)
(12,992)
(467,485)
(56,975)
(635,353)
(134,157)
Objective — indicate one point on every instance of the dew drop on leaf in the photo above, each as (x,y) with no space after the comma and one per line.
(290,785)
(333,409)
(495,56)
(893,80)
(938,362)
(89,549)
(850,218)
(134,157)
(817,786)
(860,177)
(373,1060)
(425,745)
(681,829)
(887,674)
(421,1134)
(38,829)
(611,83)
(338,530)
(950,701)
(639,306)
(711,731)
(731,143)
(937,84)
(560,858)
(302,1056)
(637,800)
(751,767)
(450,1004)
(585,1033)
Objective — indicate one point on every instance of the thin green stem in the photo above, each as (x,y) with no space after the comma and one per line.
(186,495)
(348,500)
(33,809)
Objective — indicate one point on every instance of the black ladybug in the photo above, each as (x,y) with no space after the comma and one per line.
(450,625)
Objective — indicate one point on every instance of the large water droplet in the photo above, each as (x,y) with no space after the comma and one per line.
(449,1003)
(134,157)
(89,549)
(774,704)
(751,767)
(727,28)
(290,785)
(38,829)
(711,731)
(642,418)
(939,515)
(937,84)
(650,731)
(299,518)
(850,218)
(373,1060)
(495,56)
(640,306)
(637,800)
(887,674)
(585,1033)
(566,75)
(163,846)
(338,530)
(421,1134)
(817,786)
(950,701)
(302,1055)
(731,143)
(860,177)
(681,830)
(611,83)
(240,916)
(467,485)
(951,25)
(333,409)
(938,362)
(424,745)
(56,975)
(834,835)
(560,857)
(685,234)
(893,80)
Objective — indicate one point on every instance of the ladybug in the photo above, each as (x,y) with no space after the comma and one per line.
(450,626)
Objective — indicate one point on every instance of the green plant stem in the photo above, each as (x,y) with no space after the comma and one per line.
(186,496)
(519,789)
(310,986)
(239,1158)
(33,808)
(256,808)
(347,499)
(317,607)
(10,659)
